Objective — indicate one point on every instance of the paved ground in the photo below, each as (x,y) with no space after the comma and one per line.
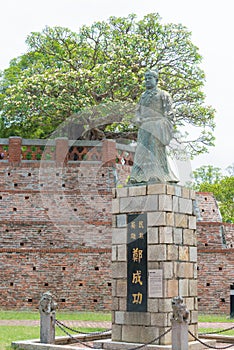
(83,324)
(216,325)
(106,324)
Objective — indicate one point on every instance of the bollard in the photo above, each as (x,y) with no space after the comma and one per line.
(47,318)
(179,324)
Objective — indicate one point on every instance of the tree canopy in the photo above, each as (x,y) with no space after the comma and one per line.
(210,179)
(64,72)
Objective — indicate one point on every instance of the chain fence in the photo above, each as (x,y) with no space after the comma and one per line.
(66,329)
(217,332)
(210,346)
(74,340)
(77,331)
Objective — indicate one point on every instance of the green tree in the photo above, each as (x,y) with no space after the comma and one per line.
(230,170)
(210,179)
(207,174)
(65,72)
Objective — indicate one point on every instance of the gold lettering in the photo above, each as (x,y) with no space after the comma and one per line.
(137,254)
(136,277)
(141,235)
(141,224)
(137,298)
(133,235)
(133,224)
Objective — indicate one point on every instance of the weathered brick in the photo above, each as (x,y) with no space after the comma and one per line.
(115,205)
(119,236)
(165,234)
(185,206)
(184,253)
(172,288)
(167,267)
(165,202)
(157,252)
(137,191)
(184,287)
(121,192)
(121,220)
(121,288)
(152,235)
(156,219)
(181,220)
(156,189)
(172,252)
(122,252)
(178,235)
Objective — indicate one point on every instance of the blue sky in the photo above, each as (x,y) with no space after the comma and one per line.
(210,21)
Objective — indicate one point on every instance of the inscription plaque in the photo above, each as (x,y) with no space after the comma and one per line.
(137,263)
(155,283)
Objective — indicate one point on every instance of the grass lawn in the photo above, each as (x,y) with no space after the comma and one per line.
(72,316)
(216,330)
(14,333)
(215,318)
(9,334)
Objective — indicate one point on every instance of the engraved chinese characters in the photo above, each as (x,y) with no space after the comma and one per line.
(137,263)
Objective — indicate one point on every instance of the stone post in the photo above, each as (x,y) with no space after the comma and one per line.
(61,152)
(108,153)
(179,324)
(15,144)
(47,319)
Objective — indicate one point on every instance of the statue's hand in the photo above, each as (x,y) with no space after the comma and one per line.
(138,119)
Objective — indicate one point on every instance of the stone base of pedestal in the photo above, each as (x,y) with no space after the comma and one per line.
(154,259)
(112,345)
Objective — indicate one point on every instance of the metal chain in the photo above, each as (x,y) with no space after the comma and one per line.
(152,341)
(75,340)
(221,331)
(76,331)
(209,346)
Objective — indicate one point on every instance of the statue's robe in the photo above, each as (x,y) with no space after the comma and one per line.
(154,115)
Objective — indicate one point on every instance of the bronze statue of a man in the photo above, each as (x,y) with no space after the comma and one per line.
(154,116)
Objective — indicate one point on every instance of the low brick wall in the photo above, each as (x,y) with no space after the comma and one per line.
(79,279)
(57,211)
(215,275)
(56,224)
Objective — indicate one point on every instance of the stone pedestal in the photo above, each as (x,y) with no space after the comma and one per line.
(170,259)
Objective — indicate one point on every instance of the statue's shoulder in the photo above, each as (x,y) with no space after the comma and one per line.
(164,94)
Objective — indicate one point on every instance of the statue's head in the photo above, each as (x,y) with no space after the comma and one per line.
(151,78)
(47,303)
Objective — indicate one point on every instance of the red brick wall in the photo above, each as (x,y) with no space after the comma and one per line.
(56,237)
(229,234)
(79,279)
(75,215)
(208,207)
(215,258)
(211,235)
(215,275)
(55,229)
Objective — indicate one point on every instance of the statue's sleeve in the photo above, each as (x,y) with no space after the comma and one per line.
(167,104)
(138,116)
